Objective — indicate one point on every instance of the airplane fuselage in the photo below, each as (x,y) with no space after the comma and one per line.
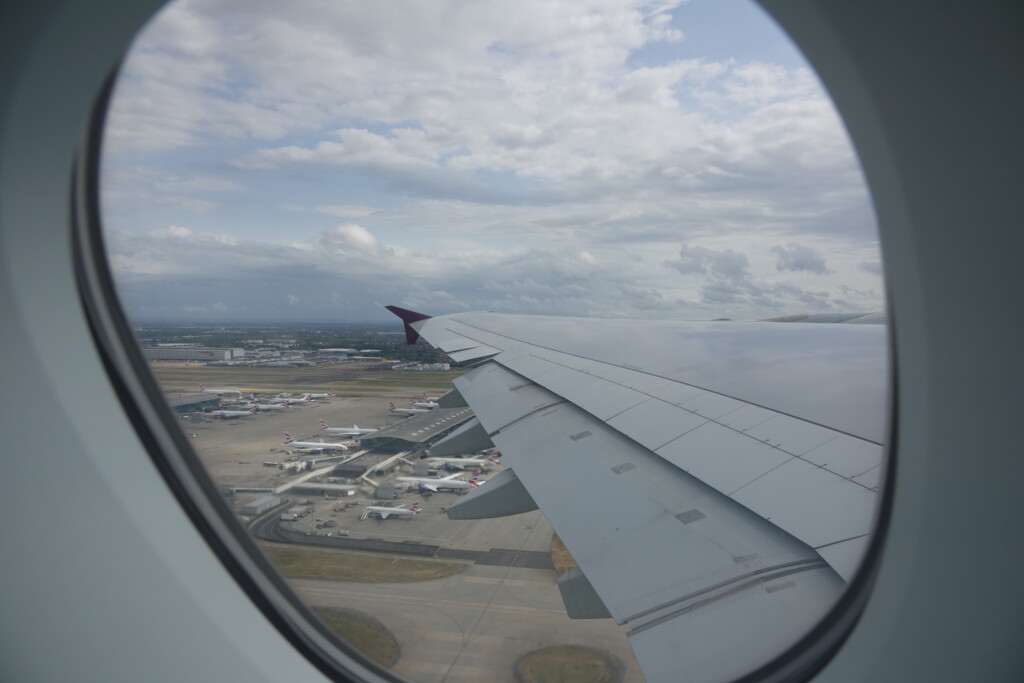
(316,446)
(437,484)
(385,512)
(230,414)
(461,463)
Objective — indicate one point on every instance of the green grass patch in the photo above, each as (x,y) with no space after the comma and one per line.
(566,664)
(362,632)
(333,565)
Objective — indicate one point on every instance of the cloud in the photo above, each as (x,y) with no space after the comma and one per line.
(346,211)
(800,258)
(727,264)
(349,237)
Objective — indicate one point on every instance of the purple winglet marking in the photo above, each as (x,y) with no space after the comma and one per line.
(408,317)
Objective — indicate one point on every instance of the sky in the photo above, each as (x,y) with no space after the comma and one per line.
(318,160)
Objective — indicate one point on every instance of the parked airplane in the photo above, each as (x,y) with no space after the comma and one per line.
(220,392)
(291,400)
(459,463)
(312,445)
(385,512)
(231,414)
(435,484)
(429,405)
(407,411)
(950,233)
(269,406)
(316,396)
(352,431)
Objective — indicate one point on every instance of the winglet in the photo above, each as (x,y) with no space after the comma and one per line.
(408,317)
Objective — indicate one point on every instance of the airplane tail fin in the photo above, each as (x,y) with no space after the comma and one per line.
(202,388)
(288,438)
(408,318)
(475,482)
(323,424)
(391,405)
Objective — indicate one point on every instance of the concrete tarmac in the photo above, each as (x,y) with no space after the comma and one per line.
(473,626)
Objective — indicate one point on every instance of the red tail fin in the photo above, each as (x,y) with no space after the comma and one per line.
(408,317)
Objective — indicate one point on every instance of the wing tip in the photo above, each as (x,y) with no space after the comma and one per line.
(408,317)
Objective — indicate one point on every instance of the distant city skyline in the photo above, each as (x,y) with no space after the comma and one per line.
(613,158)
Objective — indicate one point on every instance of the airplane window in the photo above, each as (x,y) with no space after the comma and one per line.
(633,237)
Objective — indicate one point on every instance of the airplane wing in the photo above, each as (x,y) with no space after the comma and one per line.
(715,482)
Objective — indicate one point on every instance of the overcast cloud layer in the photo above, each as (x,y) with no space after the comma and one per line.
(591,158)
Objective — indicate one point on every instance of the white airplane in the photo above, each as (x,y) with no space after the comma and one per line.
(385,512)
(231,414)
(312,445)
(460,463)
(316,396)
(220,392)
(291,400)
(268,406)
(939,561)
(430,405)
(407,411)
(434,484)
(352,431)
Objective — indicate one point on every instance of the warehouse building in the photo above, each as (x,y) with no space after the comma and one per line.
(261,505)
(191,353)
(194,403)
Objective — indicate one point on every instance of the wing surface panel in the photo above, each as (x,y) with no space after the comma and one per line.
(830,374)
(655,423)
(721,457)
(810,502)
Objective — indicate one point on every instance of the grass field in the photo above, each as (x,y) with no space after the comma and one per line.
(363,633)
(343,379)
(566,664)
(333,565)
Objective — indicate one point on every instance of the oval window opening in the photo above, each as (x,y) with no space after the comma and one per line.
(629,421)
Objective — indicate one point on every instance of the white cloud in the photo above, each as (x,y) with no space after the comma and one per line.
(799,257)
(349,237)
